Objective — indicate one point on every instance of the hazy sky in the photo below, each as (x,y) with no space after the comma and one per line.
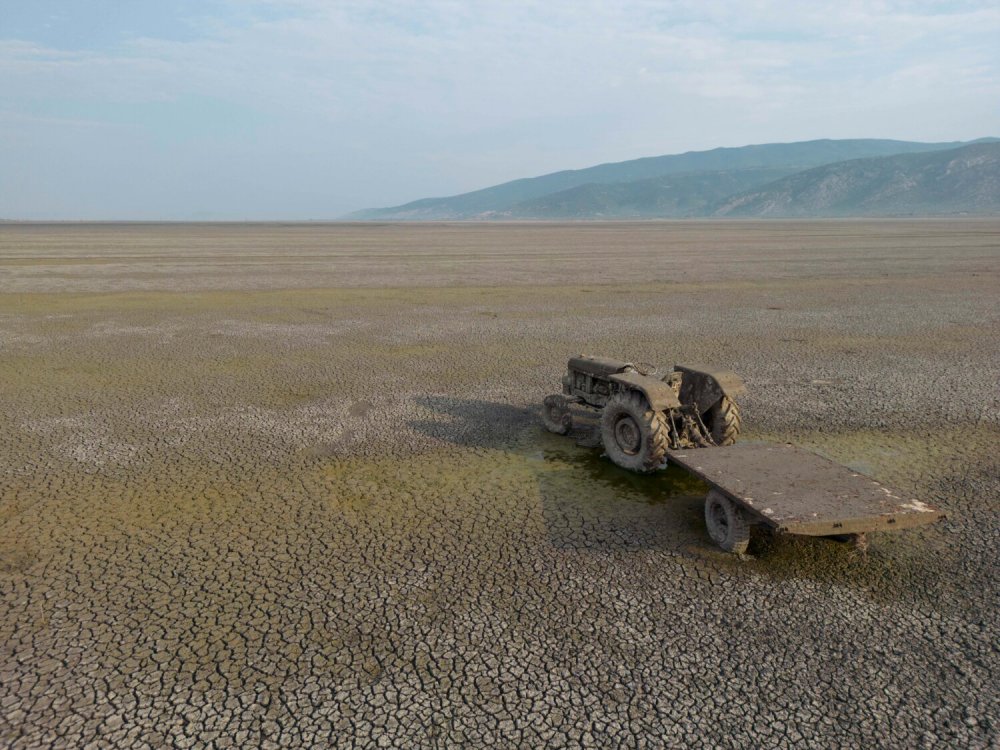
(297,109)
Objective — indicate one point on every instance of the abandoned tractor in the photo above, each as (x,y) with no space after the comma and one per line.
(644,415)
(645,418)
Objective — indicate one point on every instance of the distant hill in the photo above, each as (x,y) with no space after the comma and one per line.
(962,180)
(515,199)
(673,196)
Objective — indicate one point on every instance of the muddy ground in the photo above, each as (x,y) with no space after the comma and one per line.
(286,485)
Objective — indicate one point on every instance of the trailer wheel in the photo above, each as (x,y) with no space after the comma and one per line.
(634,435)
(726,523)
(723,421)
(556,415)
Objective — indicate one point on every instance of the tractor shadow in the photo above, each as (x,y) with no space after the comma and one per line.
(472,423)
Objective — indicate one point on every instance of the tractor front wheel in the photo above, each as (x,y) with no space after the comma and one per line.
(556,414)
(634,435)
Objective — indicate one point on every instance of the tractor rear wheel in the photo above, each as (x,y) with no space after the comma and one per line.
(723,421)
(635,436)
(556,415)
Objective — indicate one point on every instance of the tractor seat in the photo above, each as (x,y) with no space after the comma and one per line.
(597,365)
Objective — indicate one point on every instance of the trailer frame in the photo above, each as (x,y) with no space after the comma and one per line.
(795,491)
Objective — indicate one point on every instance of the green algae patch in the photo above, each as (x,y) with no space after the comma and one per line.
(399,487)
(543,487)
(655,489)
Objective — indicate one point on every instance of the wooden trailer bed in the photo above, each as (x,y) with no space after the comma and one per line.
(799,492)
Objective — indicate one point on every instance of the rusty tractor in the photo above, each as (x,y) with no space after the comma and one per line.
(646,419)
(644,415)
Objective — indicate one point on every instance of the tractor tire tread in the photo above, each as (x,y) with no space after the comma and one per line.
(653,425)
(726,421)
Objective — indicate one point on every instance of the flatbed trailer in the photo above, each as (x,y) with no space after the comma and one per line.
(794,491)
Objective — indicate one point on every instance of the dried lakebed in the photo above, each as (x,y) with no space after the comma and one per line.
(253,494)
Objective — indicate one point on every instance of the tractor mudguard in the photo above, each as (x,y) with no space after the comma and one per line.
(704,386)
(660,395)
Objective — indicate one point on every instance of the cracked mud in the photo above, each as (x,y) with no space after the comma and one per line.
(287,486)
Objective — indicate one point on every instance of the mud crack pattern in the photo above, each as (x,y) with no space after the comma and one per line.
(240,510)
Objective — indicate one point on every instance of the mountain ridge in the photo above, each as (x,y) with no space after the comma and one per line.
(964,180)
(514,198)
(669,196)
